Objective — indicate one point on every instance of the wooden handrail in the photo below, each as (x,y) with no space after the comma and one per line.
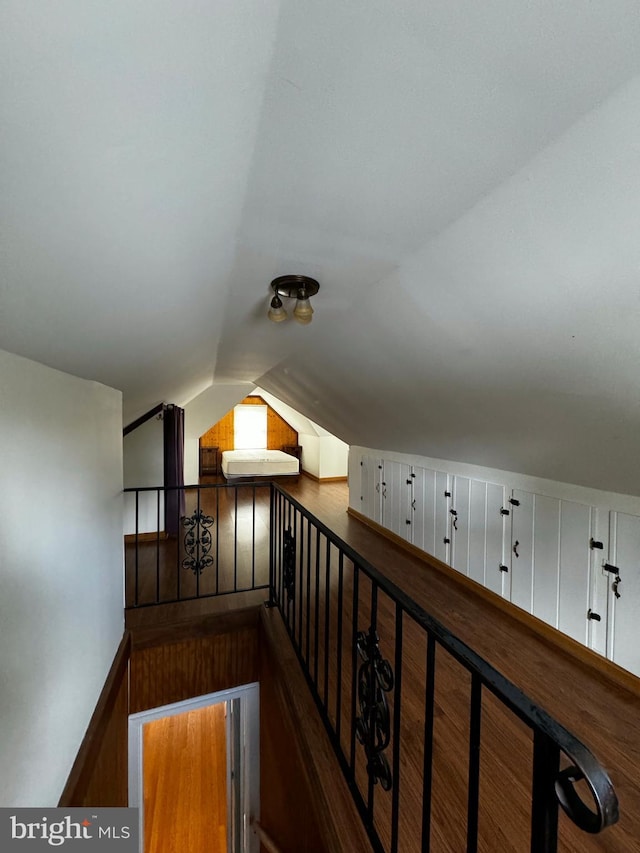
(157,410)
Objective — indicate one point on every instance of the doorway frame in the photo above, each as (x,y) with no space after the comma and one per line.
(249,697)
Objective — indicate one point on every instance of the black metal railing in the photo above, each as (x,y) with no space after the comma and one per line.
(408,708)
(192,542)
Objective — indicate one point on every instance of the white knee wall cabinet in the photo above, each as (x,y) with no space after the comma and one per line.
(572,565)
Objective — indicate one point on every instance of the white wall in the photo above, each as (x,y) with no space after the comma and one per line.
(143,465)
(334,457)
(310,461)
(61,576)
(324,456)
(203,412)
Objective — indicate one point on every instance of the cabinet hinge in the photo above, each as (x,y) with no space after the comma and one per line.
(413,475)
(409,482)
(595,616)
(504,511)
(609,568)
(446,540)
(593,544)
(447,494)
(514,502)
(408,521)
(503,568)
(361,463)
(453,512)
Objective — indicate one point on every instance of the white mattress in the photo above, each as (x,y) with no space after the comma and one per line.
(258,463)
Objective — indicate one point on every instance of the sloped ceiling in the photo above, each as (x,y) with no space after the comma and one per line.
(462,178)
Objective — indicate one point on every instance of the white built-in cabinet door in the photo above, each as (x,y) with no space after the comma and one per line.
(535,551)
(477,532)
(443,518)
(423,509)
(459,524)
(521,558)
(623,644)
(497,577)
(371,487)
(578,527)
(430,511)
(546,559)
(396,497)
(487,536)
(552,563)
(599,581)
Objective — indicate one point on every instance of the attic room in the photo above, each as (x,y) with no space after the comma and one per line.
(462,181)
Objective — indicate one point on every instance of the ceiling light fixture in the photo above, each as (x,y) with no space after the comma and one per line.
(298,287)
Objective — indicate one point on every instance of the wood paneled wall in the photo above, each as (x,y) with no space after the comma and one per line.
(279,433)
(99,776)
(305,806)
(174,671)
(220,435)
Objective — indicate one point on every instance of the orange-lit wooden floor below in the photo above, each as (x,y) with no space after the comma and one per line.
(185,782)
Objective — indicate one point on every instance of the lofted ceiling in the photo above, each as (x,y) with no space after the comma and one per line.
(462,178)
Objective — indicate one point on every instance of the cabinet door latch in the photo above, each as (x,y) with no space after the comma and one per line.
(514,502)
(504,511)
(615,584)
(595,544)
(595,616)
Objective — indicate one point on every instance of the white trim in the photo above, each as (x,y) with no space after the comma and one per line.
(249,695)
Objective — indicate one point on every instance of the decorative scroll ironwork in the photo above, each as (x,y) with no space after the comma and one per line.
(197,542)
(289,563)
(373,726)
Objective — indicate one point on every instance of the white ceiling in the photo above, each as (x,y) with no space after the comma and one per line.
(462,178)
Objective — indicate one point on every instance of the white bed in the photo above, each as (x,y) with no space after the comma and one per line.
(258,463)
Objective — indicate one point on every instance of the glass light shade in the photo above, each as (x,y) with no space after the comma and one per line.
(303,312)
(276,311)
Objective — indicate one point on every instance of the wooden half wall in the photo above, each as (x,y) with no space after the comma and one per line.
(305,803)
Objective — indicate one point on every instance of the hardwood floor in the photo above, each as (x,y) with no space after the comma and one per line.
(597,709)
(185,782)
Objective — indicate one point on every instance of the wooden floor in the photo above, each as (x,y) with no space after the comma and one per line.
(185,782)
(598,710)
